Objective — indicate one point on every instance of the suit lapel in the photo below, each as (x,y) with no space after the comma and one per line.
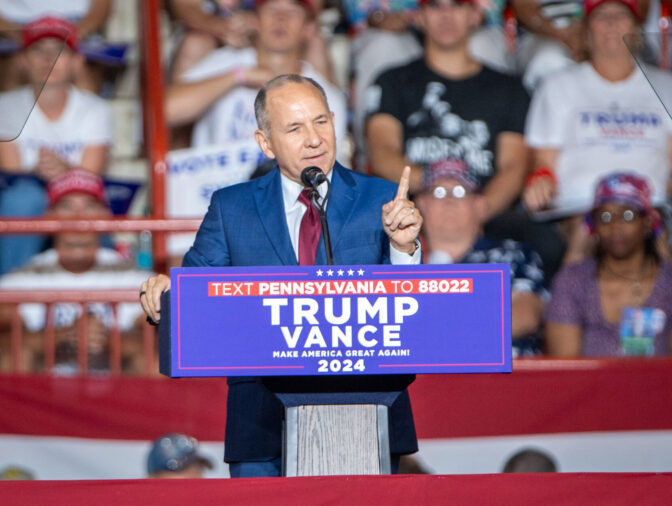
(344,195)
(271,209)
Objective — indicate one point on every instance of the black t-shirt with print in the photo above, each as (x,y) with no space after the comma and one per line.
(451,119)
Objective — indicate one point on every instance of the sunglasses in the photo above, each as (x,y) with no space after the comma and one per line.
(458,192)
(627,216)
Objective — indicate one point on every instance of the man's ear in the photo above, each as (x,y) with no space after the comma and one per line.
(264,143)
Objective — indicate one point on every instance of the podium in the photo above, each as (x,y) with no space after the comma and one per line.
(336,352)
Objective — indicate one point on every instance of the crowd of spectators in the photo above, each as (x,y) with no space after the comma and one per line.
(532,134)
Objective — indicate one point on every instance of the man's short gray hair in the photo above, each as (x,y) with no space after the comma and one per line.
(278,82)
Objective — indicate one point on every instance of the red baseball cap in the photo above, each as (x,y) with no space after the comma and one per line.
(450,168)
(590,5)
(50,26)
(628,189)
(76,181)
(306,3)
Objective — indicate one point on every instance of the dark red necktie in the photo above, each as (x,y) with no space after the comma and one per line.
(309,233)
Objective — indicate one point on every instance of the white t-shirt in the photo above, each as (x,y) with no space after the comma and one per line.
(44,272)
(232,117)
(602,127)
(85,121)
(24,11)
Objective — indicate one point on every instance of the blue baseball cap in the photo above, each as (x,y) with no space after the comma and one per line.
(175,452)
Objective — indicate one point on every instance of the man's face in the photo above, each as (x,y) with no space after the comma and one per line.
(448,24)
(622,229)
(282,25)
(607,25)
(78,204)
(77,250)
(39,59)
(449,211)
(301,130)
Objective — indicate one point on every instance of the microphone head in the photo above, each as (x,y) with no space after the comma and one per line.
(312,176)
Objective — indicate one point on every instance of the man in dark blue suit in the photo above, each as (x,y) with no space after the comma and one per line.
(259,223)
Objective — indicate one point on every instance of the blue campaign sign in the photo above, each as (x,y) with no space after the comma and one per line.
(358,319)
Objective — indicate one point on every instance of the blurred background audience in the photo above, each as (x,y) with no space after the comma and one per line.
(453,233)
(77,261)
(217,93)
(449,106)
(595,118)
(619,301)
(68,128)
(87,19)
(441,85)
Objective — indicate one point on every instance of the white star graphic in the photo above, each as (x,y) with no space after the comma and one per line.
(330,272)
(360,272)
(319,272)
(340,272)
(350,272)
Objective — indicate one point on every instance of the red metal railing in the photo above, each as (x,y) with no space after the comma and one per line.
(51,226)
(83,298)
(664,25)
(510,29)
(155,132)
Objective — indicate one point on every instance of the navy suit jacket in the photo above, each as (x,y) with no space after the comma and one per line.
(246,226)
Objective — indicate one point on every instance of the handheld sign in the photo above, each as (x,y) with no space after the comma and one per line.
(344,320)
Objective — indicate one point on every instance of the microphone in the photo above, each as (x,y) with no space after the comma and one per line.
(312,177)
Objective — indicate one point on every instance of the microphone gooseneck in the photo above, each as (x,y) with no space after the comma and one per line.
(312,177)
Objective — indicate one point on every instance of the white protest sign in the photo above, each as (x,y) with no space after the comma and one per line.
(194,174)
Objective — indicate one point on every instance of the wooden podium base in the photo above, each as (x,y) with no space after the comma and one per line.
(336,439)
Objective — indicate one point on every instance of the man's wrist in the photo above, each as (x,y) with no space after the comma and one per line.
(409,249)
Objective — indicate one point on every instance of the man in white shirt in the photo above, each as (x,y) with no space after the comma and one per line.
(218,93)
(596,118)
(68,128)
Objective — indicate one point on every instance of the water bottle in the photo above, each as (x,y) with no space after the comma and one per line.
(144,255)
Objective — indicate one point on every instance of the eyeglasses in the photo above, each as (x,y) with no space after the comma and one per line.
(456,192)
(627,216)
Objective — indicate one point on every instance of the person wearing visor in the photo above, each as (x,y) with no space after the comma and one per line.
(619,301)
(449,203)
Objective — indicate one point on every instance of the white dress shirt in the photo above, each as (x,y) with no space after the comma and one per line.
(294,211)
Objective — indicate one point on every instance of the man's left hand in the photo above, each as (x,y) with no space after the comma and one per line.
(401,220)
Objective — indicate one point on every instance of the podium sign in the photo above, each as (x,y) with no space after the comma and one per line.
(340,320)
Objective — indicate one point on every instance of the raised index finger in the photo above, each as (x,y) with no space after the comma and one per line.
(402,191)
